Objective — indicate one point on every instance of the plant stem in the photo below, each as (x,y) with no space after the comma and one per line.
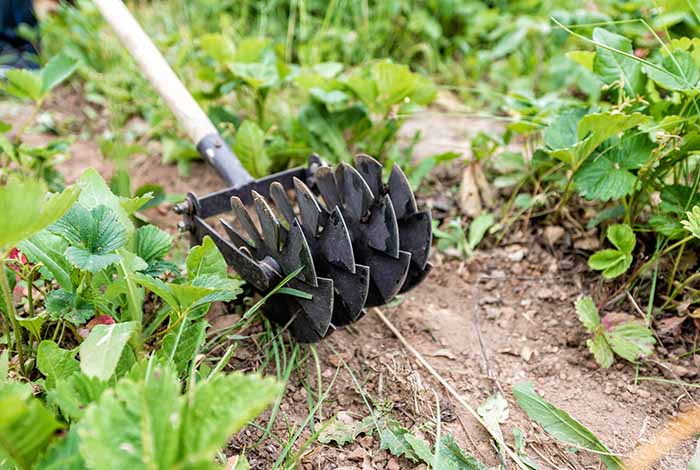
(11,313)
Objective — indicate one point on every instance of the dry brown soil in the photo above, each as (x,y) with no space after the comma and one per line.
(502,317)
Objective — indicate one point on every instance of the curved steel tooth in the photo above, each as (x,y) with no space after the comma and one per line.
(268,222)
(387,276)
(356,195)
(401,193)
(350,293)
(325,181)
(416,233)
(246,222)
(309,210)
(282,202)
(238,239)
(296,253)
(335,244)
(415,277)
(318,311)
(382,229)
(371,171)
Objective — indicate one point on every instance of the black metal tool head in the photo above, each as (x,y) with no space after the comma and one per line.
(355,246)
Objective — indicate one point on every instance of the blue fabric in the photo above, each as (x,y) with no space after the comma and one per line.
(12,14)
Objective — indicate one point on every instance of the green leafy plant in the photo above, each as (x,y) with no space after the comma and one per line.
(560,425)
(614,263)
(454,241)
(632,339)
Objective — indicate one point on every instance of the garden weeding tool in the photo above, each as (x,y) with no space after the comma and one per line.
(357,239)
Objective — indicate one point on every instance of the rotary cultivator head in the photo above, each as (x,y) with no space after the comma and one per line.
(358,240)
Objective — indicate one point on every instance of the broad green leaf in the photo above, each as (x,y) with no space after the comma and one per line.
(587,313)
(205,259)
(55,363)
(601,351)
(152,243)
(255,74)
(131,205)
(329,98)
(4,365)
(612,66)
(49,250)
(135,425)
(560,425)
(72,395)
(218,46)
(451,457)
(94,235)
(25,209)
(95,192)
(392,437)
(325,132)
(622,236)
(584,58)
(33,324)
(678,72)
(342,432)
(181,344)
(478,228)
(158,287)
(250,149)
(251,49)
(395,82)
(26,428)
(562,133)
(677,199)
(59,68)
(607,174)
(595,128)
(25,84)
(63,454)
(613,263)
(67,306)
(219,408)
(421,449)
(101,350)
(631,340)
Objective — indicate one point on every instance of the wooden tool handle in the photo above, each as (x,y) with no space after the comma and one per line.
(188,113)
(190,116)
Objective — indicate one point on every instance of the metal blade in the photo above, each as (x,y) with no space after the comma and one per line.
(246,222)
(401,193)
(236,237)
(282,202)
(268,222)
(371,171)
(312,325)
(382,230)
(355,193)
(325,181)
(416,234)
(296,253)
(350,293)
(309,210)
(335,244)
(387,276)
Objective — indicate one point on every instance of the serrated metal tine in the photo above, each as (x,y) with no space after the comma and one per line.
(383,229)
(325,181)
(401,193)
(335,243)
(268,222)
(355,193)
(416,233)
(282,202)
(296,253)
(317,313)
(388,275)
(238,239)
(350,293)
(246,222)
(371,171)
(309,210)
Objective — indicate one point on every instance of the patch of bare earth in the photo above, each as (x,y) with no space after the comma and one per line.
(485,324)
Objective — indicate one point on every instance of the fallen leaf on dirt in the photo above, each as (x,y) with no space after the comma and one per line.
(553,234)
(469,199)
(343,428)
(587,243)
(670,325)
(527,353)
(443,353)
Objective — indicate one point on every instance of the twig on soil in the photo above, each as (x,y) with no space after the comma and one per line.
(482,348)
(419,357)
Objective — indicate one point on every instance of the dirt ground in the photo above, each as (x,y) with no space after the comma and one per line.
(502,317)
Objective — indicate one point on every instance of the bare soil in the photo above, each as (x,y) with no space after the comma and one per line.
(502,317)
